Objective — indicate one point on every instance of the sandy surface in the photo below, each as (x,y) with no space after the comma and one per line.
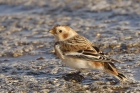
(28,66)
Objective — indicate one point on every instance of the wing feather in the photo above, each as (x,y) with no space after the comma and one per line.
(76,43)
(90,56)
(82,48)
(58,51)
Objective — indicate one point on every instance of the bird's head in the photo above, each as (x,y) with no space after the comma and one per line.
(62,33)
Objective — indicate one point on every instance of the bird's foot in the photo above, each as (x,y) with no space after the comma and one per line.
(74,77)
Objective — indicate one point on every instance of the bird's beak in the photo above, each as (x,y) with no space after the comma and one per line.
(51,31)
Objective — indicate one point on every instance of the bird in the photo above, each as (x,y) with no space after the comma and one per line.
(79,53)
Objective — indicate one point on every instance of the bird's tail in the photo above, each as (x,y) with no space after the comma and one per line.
(110,68)
(121,77)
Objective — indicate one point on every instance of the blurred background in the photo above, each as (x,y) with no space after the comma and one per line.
(27,63)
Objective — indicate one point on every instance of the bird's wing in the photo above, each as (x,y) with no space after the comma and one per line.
(89,55)
(98,50)
(77,43)
(58,51)
(82,48)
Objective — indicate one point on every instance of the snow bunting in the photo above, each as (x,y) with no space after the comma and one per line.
(79,53)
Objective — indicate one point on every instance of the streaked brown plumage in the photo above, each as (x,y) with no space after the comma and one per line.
(76,43)
(79,53)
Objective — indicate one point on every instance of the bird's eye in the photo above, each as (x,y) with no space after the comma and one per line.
(60,31)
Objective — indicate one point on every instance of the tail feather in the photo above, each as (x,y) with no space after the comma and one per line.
(110,68)
(121,77)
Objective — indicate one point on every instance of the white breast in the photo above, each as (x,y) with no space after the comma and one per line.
(77,63)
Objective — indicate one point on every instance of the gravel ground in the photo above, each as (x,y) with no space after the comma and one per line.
(27,64)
